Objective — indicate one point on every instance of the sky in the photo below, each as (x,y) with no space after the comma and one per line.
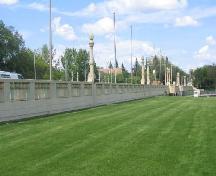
(183,30)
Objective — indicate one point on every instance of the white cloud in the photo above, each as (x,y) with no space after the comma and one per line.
(38,6)
(102,26)
(64,30)
(207,53)
(8,2)
(210,40)
(203,52)
(25,34)
(185,21)
(129,6)
(103,52)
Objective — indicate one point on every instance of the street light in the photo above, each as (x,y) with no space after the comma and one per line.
(35,73)
(50,38)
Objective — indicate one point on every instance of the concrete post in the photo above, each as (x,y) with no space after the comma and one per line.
(31,91)
(52,90)
(69,90)
(6,91)
(143,72)
(91,75)
(94,94)
(82,91)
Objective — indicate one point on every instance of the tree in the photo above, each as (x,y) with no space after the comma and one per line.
(45,53)
(122,66)
(137,68)
(116,63)
(205,77)
(11,43)
(110,65)
(76,61)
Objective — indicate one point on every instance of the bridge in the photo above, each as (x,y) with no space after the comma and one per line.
(28,98)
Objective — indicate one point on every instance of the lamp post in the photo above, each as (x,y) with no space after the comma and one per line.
(114,34)
(50,38)
(131,55)
(35,73)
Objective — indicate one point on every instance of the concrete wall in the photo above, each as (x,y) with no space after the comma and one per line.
(27,98)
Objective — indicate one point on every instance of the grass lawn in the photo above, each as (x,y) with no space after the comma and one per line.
(163,136)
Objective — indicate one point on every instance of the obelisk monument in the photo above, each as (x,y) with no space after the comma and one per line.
(91,75)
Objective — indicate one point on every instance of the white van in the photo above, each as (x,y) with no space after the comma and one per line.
(9,75)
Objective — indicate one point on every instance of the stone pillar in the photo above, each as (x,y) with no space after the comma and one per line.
(165,82)
(77,76)
(171,70)
(6,91)
(185,81)
(169,77)
(52,90)
(148,79)
(91,75)
(178,79)
(72,76)
(143,72)
(31,91)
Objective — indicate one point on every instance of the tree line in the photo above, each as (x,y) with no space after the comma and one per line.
(205,77)
(16,57)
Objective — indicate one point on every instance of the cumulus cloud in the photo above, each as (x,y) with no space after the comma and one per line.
(64,30)
(185,21)
(128,6)
(8,2)
(210,40)
(101,27)
(38,6)
(207,52)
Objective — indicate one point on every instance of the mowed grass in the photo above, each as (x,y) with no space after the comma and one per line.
(153,137)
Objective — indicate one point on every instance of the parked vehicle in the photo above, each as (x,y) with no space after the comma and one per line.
(9,75)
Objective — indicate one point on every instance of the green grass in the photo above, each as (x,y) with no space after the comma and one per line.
(154,137)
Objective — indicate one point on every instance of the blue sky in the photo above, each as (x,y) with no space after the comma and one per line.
(184,30)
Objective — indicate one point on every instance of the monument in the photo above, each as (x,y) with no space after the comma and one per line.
(143,72)
(91,75)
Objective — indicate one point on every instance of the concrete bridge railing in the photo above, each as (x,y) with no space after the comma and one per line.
(27,98)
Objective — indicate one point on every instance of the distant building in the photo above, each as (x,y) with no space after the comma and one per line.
(110,70)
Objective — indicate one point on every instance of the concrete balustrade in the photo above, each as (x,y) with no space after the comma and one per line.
(27,98)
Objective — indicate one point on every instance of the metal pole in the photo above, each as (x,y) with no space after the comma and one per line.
(35,67)
(50,38)
(66,70)
(85,71)
(131,56)
(114,45)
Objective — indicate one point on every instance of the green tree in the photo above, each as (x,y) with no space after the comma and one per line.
(205,77)
(75,61)
(45,53)
(110,65)
(11,43)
